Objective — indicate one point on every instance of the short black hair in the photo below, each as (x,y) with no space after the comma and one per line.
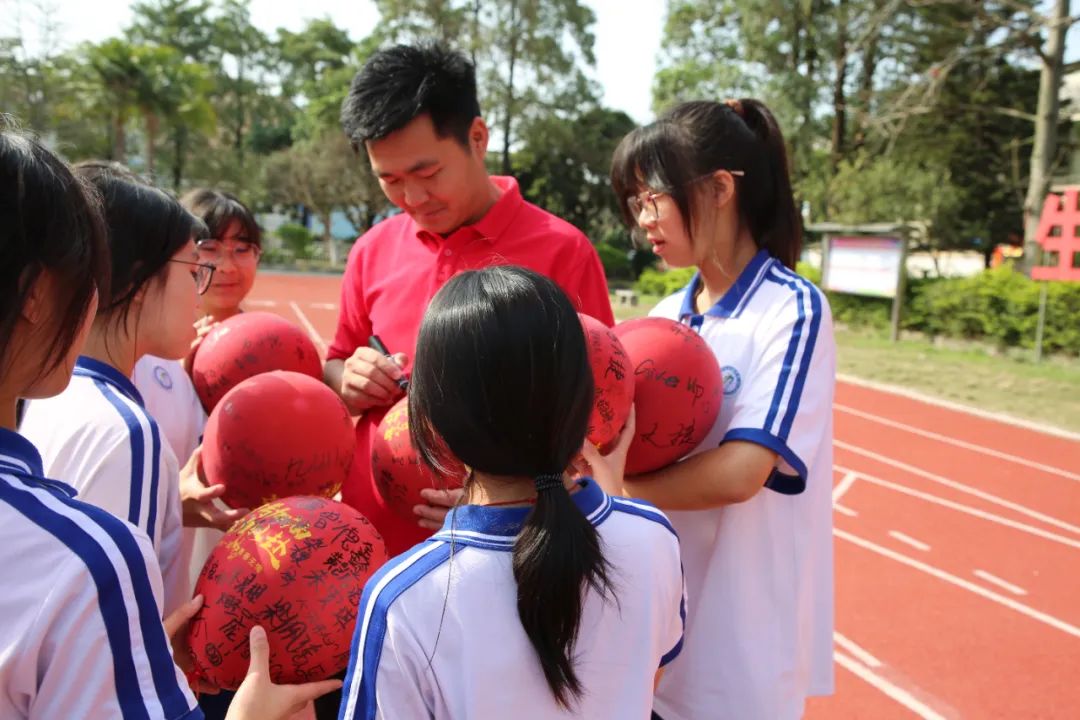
(399,83)
(50,220)
(218,209)
(146,227)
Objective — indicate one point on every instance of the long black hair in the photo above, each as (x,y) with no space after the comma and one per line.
(51,221)
(693,139)
(146,228)
(502,381)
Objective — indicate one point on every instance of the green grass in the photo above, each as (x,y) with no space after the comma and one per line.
(1048,392)
(1011,383)
(625,312)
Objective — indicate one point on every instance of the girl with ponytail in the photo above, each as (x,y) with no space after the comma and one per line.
(707,186)
(542,596)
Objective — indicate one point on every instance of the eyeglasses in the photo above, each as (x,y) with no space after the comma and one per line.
(215,251)
(635,204)
(202,273)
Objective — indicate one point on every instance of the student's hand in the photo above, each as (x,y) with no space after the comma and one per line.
(202,326)
(608,470)
(369,379)
(260,699)
(197,499)
(438,505)
(176,628)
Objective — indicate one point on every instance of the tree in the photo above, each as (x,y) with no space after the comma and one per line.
(1046,121)
(564,165)
(324,175)
(183,25)
(529,53)
(115,63)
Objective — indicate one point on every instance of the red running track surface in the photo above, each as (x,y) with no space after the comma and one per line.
(957,550)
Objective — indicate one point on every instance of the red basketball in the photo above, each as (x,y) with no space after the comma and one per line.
(296,567)
(612,379)
(399,474)
(278,434)
(678,389)
(245,345)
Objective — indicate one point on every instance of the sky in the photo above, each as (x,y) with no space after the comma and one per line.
(627,34)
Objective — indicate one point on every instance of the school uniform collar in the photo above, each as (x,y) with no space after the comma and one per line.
(736,297)
(497,528)
(488,228)
(19,457)
(97,370)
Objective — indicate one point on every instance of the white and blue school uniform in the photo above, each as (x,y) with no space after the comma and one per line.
(98,437)
(81,634)
(759,633)
(438,634)
(169,396)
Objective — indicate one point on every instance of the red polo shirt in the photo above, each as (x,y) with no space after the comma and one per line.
(395,268)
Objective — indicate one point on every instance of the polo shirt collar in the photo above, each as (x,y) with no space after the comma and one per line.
(19,457)
(736,296)
(495,220)
(497,528)
(97,370)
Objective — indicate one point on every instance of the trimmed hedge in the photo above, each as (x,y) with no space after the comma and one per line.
(998,306)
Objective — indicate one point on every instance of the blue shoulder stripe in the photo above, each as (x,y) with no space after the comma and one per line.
(807,354)
(138,454)
(380,592)
(111,597)
(642,509)
(801,338)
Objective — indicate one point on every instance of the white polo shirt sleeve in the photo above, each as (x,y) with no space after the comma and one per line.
(785,402)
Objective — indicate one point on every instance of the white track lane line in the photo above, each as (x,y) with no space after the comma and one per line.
(843,486)
(319,342)
(908,540)
(845,510)
(261,303)
(967,510)
(957,486)
(995,580)
(958,443)
(960,582)
(893,691)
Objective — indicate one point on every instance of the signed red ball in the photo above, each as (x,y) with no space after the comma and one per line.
(399,474)
(245,345)
(678,388)
(612,379)
(278,434)
(296,567)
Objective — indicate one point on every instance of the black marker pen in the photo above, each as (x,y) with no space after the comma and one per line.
(377,344)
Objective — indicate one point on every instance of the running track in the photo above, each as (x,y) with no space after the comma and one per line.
(957,550)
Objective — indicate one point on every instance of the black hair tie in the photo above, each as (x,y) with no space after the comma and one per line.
(549,482)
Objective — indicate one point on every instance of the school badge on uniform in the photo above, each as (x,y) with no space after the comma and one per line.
(732,380)
(164,379)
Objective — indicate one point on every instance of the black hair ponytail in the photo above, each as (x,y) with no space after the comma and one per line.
(502,381)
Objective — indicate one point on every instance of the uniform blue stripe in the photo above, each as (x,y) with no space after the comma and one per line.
(112,600)
(135,433)
(155,471)
(792,350)
(634,507)
(808,352)
(369,647)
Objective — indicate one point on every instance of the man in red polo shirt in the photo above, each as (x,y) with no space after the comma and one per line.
(415,111)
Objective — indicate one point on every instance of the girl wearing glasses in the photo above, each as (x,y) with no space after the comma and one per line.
(97,433)
(707,186)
